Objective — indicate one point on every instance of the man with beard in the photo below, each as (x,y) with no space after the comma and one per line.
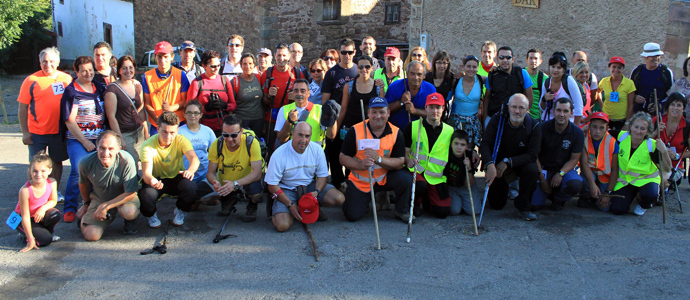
(392,70)
(561,146)
(504,82)
(368,47)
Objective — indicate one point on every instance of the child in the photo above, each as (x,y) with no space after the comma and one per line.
(459,159)
(37,200)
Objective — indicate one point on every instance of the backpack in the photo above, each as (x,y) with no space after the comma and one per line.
(564,84)
(249,139)
(540,81)
(665,75)
(269,79)
(235,83)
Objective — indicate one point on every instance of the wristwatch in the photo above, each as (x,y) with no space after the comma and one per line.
(237,185)
(677,156)
(291,204)
(507,161)
(378,161)
(561,173)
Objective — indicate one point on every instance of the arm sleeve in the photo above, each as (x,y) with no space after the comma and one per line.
(24,95)
(322,165)
(193,90)
(146,154)
(144,85)
(533,147)
(575,96)
(274,172)
(83,178)
(129,174)
(349,147)
(280,120)
(579,143)
(213,153)
(184,82)
(185,144)
(327,84)
(255,151)
(394,92)
(528,80)
(616,148)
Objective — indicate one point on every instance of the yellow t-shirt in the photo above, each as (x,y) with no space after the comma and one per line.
(167,162)
(616,110)
(236,164)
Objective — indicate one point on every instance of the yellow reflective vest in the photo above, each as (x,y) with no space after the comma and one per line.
(431,163)
(637,169)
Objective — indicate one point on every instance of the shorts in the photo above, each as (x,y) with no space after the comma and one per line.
(57,146)
(133,141)
(279,207)
(89,217)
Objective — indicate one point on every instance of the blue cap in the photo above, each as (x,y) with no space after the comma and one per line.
(378,102)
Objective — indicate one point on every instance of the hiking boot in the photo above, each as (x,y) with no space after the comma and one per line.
(639,210)
(69,217)
(322,216)
(250,216)
(557,205)
(178,220)
(405,217)
(130,227)
(228,206)
(154,221)
(526,215)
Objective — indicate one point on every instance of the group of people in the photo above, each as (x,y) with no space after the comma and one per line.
(338,131)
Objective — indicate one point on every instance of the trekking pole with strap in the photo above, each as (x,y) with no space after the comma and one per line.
(499,134)
(414,179)
(371,184)
(661,161)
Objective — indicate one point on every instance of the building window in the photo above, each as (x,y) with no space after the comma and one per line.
(59,28)
(392,13)
(62,1)
(108,33)
(331,10)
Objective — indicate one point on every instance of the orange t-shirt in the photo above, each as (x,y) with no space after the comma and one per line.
(43,95)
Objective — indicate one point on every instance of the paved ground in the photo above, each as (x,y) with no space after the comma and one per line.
(575,254)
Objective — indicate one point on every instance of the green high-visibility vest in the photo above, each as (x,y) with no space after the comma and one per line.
(378,74)
(431,164)
(314,120)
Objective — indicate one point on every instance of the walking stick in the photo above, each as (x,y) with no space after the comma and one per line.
(661,178)
(220,236)
(414,180)
(499,134)
(313,244)
(680,205)
(371,184)
(161,247)
(269,147)
(469,190)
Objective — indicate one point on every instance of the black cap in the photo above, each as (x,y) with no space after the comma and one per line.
(329,113)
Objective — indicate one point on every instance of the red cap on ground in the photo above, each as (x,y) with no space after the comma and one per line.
(617,59)
(163,47)
(392,51)
(435,98)
(600,115)
(308,208)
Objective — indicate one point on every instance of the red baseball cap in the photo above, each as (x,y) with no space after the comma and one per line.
(392,51)
(308,208)
(435,98)
(600,115)
(618,60)
(163,47)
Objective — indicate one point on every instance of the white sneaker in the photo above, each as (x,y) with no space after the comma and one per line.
(178,220)
(56,238)
(61,198)
(639,210)
(154,221)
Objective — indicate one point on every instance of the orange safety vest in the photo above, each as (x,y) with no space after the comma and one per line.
(601,164)
(361,177)
(165,90)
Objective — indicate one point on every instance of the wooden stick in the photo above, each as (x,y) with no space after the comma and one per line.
(313,244)
(661,159)
(371,184)
(474,217)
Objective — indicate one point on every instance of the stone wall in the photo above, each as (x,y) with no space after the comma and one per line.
(262,23)
(600,28)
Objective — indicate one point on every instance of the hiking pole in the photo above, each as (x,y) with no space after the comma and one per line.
(469,190)
(675,182)
(661,178)
(313,244)
(414,180)
(161,248)
(220,235)
(269,147)
(499,134)
(371,184)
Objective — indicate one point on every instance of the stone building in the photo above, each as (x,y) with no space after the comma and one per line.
(317,25)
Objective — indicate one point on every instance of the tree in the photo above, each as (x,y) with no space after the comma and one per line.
(14,13)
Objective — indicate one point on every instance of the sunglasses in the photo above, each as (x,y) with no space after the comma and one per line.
(328,58)
(316,71)
(187,45)
(505,57)
(230,135)
(344,52)
(214,66)
(192,113)
(234,45)
(362,67)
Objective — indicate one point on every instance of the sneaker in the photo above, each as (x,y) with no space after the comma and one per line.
(56,238)
(61,198)
(228,206)
(130,227)
(405,217)
(322,216)
(513,194)
(250,216)
(526,215)
(557,205)
(639,210)
(178,220)
(69,217)
(154,221)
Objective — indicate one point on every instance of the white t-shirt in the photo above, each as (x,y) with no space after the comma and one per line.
(280,119)
(289,169)
(575,96)
(229,69)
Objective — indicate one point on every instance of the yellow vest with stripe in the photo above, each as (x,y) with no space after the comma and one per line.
(167,89)
(638,169)
(360,178)
(314,120)
(601,165)
(431,163)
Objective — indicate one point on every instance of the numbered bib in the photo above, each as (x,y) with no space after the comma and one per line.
(14,220)
(58,88)
(613,97)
